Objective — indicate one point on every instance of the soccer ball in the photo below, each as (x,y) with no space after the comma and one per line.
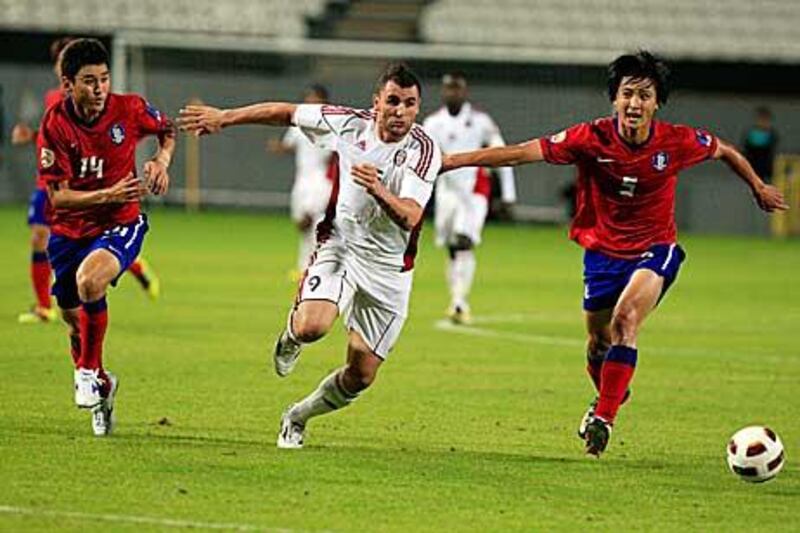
(755,454)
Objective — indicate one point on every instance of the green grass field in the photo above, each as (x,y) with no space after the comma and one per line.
(464,430)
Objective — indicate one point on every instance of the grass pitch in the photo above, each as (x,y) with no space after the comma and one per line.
(464,429)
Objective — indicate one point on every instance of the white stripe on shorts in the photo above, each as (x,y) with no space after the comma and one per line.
(135,232)
(669,256)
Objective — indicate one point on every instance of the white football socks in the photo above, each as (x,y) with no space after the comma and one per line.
(461,273)
(328,396)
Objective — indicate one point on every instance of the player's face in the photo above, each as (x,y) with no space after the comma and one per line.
(396,110)
(90,88)
(636,102)
(454,95)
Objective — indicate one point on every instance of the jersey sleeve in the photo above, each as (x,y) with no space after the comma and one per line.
(696,145)
(422,169)
(150,120)
(53,163)
(567,146)
(323,124)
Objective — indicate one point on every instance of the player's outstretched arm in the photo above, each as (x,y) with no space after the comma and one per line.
(405,212)
(204,119)
(768,197)
(499,156)
(125,190)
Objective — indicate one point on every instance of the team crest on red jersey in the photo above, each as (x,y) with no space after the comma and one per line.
(660,160)
(117,134)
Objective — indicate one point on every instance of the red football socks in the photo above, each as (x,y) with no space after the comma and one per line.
(94,320)
(615,377)
(40,276)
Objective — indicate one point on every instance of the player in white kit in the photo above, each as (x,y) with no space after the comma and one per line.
(362,267)
(312,183)
(462,195)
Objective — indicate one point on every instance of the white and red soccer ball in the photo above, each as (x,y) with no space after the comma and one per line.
(755,454)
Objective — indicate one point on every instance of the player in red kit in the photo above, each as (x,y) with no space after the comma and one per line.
(39,212)
(627,174)
(87,147)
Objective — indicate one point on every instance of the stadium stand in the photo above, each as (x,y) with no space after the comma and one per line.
(681,28)
(284,18)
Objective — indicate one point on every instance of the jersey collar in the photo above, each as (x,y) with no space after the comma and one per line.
(632,146)
(73,113)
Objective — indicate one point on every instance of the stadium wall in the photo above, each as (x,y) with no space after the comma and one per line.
(526,100)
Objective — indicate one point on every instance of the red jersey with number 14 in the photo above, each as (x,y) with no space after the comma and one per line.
(96,155)
(626,193)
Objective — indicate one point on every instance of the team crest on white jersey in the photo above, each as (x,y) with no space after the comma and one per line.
(558,137)
(660,161)
(117,134)
(400,157)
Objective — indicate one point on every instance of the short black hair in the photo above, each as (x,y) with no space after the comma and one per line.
(454,77)
(401,74)
(641,65)
(82,52)
(320,90)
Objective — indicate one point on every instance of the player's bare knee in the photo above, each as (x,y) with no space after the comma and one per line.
(90,286)
(308,328)
(624,324)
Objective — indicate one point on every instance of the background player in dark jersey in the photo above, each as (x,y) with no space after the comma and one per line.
(38,214)
(627,174)
(87,147)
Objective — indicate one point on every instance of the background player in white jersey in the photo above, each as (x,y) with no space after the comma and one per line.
(462,195)
(362,267)
(312,182)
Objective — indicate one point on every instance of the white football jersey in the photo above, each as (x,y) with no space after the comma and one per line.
(471,129)
(408,168)
(311,162)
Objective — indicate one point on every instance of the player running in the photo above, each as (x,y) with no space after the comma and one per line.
(312,180)
(39,211)
(462,196)
(362,267)
(627,173)
(86,146)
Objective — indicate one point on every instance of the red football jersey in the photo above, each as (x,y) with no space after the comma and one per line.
(51,98)
(626,193)
(95,156)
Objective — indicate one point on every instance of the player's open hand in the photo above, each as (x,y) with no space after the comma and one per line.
(770,199)
(156,176)
(200,119)
(125,190)
(367,176)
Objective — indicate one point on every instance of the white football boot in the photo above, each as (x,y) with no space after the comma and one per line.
(87,388)
(286,354)
(103,414)
(290,436)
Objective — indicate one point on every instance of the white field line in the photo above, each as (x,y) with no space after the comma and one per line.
(553,340)
(132,519)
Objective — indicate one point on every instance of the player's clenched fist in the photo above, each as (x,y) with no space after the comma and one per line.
(126,190)
(367,176)
(200,119)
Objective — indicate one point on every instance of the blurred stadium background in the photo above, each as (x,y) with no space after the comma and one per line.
(537,66)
